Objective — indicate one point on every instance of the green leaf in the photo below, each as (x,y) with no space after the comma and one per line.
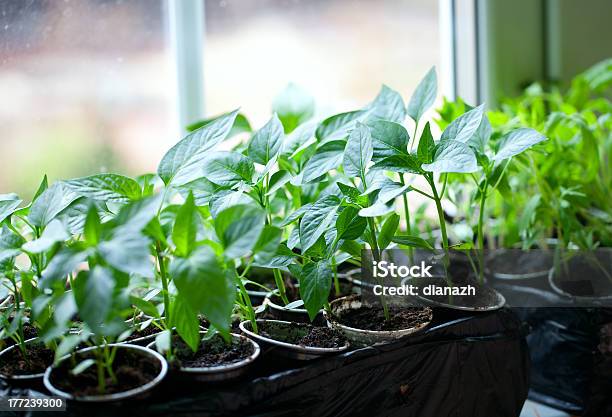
(202,189)
(134,217)
(225,199)
(338,126)
(463,127)
(44,184)
(317,219)
(54,232)
(145,306)
(294,106)
(388,139)
(63,263)
(327,157)
(299,139)
(353,194)
(50,203)
(358,151)
(10,244)
(403,162)
(424,96)
(185,319)
(202,281)
(349,225)
(315,284)
(452,156)
(377,209)
(516,142)
(9,203)
(296,214)
(387,231)
(93,291)
(163,341)
(412,241)
(388,105)
(277,180)
(228,168)
(128,252)
(241,125)
(427,146)
(92,228)
(183,162)
(186,227)
(267,244)
(238,229)
(82,366)
(480,138)
(106,187)
(266,142)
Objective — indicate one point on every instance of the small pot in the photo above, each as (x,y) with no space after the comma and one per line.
(362,336)
(353,276)
(298,315)
(134,393)
(536,278)
(286,349)
(221,372)
(596,280)
(27,380)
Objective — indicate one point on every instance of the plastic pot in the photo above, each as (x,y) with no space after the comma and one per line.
(490,298)
(221,372)
(131,394)
(286,349)
(362,336)
(281,312)
(29,380)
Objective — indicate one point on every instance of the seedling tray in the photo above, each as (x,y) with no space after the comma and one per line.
(462,365)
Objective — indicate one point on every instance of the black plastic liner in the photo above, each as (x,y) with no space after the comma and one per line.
(472,365)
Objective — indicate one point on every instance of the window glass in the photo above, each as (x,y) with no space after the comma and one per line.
(341,51)
(86,87)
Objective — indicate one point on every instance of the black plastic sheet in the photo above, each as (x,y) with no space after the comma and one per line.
(472,365)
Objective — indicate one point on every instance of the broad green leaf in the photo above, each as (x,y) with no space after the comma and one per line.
(9,203)
(225,199)
(358,151)
(387,231)
(183,162)
(163,341)
(203,190)
(315,282)
(10,244)
(238,229)
(277,180)
(294,106)
(349,225)
(241,125)
(44,184)
(353,194)
(145,306)
(75,215)
(480,138)
(327,157)
(424,96)
(54,232)
(296,214)
(427,146)
(516,142)
(317,219)
(377,209)
(283,257)
(388,139)
(202,281)
(134,217)
(403,162)
(106,187)
(228,168)
(128,252)
(50,203)
(412,241)
(93,292)
(61,265)
(388,105)
(92,230)
(452,156)
(299,139)
(338,126)
(529,212)
(185,228)
(266,142)
(391,190)
(463,127)
(267,244)
(185,319)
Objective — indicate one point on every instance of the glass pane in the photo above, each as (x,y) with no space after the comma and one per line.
(341,51)
(86,87)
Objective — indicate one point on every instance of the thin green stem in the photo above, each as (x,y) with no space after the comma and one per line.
(249,306)
(164,280)
(441,219)
(407,216)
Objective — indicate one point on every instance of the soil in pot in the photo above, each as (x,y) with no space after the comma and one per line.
(132,369)
(303,335)
(346,288)
(147,331)
(213,352)
(29,332)
(372,318)
(39,358)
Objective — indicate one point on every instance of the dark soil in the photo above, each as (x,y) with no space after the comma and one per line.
(29,332)
(346,288)
(373,318)
(213,352)
(38,359)
(147,331)
(303,334)
(132,369)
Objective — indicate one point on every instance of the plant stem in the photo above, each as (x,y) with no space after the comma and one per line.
(249,305)
(407,215)
(483,197)
(100,368)
(335,272)
(280,284)
(164,280)
(441,219)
